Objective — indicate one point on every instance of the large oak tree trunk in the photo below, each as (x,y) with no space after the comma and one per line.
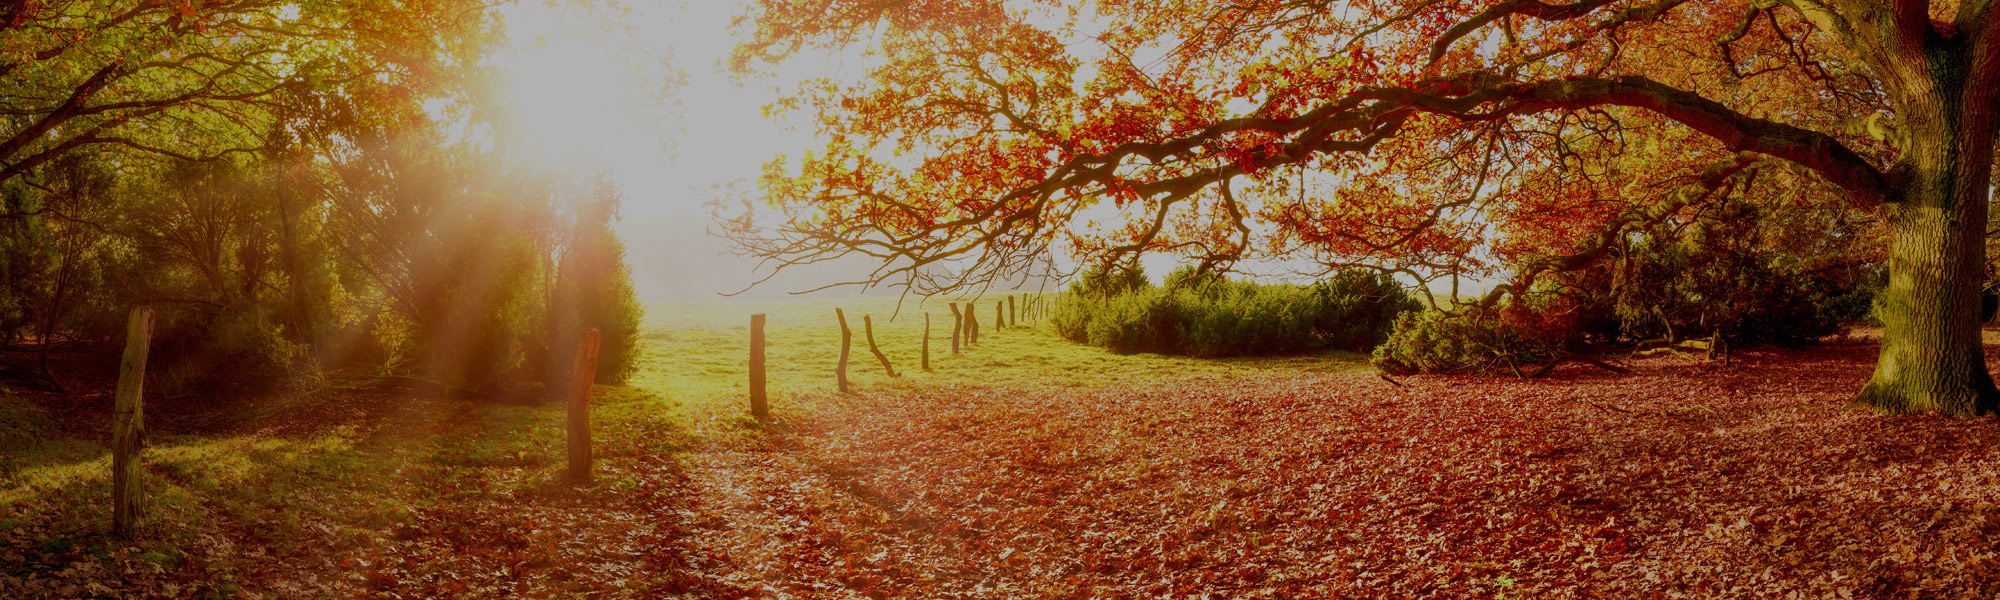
(1932,359)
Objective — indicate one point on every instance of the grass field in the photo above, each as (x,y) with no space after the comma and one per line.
(698,353)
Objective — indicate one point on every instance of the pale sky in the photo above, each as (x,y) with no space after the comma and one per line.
(660,140)
(609,98)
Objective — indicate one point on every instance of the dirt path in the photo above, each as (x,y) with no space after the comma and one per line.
(1752,481)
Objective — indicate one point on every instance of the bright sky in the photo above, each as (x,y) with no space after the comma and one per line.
(612,99)
(608,97)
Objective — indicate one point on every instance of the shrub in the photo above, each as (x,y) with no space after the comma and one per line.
(1507,339)
(1717,278)
(614,309)
(1105,281)
(1136,321)
(1210,317)
(1718,283)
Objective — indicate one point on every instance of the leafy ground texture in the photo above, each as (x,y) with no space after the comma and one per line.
(1026,467)
(1675,481)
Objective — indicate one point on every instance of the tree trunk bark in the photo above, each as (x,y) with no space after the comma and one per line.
(1932,359)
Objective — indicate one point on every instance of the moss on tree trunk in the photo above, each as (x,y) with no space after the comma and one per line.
(1932,359)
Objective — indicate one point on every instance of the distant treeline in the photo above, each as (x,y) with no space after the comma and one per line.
(1206,315)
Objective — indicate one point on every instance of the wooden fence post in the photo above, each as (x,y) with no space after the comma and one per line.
(999,315)
(927,342)
(972,323)
(1011,315)
(846,336)
(580,380)
(868,325)
(759,405)
(128,425)
(957,326)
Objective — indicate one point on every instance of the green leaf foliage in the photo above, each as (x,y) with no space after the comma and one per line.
(1203,315)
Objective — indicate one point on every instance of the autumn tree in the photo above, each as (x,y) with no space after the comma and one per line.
(1435,138)
(201,80)
(209,131)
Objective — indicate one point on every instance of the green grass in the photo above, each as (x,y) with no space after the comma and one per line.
(353,481)
(698,353)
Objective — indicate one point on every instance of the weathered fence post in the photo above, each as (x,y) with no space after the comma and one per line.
(128,425)
(927,342)
(759,405)
(957,326)
(868,325)
(846,336)
(1011,315)
(580,380)
(999,315)
(972,323)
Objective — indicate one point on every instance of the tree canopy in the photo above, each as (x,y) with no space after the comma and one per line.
(1434,138)
(197,81)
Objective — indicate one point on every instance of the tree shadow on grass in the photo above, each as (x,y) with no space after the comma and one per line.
(424,496)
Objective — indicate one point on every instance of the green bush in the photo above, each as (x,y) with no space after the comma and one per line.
(1716,277)
(1105,281)
(1719,281)
(1506,339)
(1207,316)
(615,311)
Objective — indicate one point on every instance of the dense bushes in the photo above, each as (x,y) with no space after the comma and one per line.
(1118,309)
(1717,278)
(1507,339)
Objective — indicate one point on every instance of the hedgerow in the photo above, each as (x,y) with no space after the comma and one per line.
(1208,316)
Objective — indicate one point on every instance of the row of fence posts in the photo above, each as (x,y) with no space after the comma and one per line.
(128,429)
(964,332)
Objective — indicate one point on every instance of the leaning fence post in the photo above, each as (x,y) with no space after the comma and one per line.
(957,326)
(868,325)
(759,405)
(128,425)
(846,336)
(580,380)
(927,342)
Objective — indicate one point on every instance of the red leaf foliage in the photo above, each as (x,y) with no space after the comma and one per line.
(1751,481)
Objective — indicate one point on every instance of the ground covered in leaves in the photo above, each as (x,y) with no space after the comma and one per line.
(1018,478)
(1675,481)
